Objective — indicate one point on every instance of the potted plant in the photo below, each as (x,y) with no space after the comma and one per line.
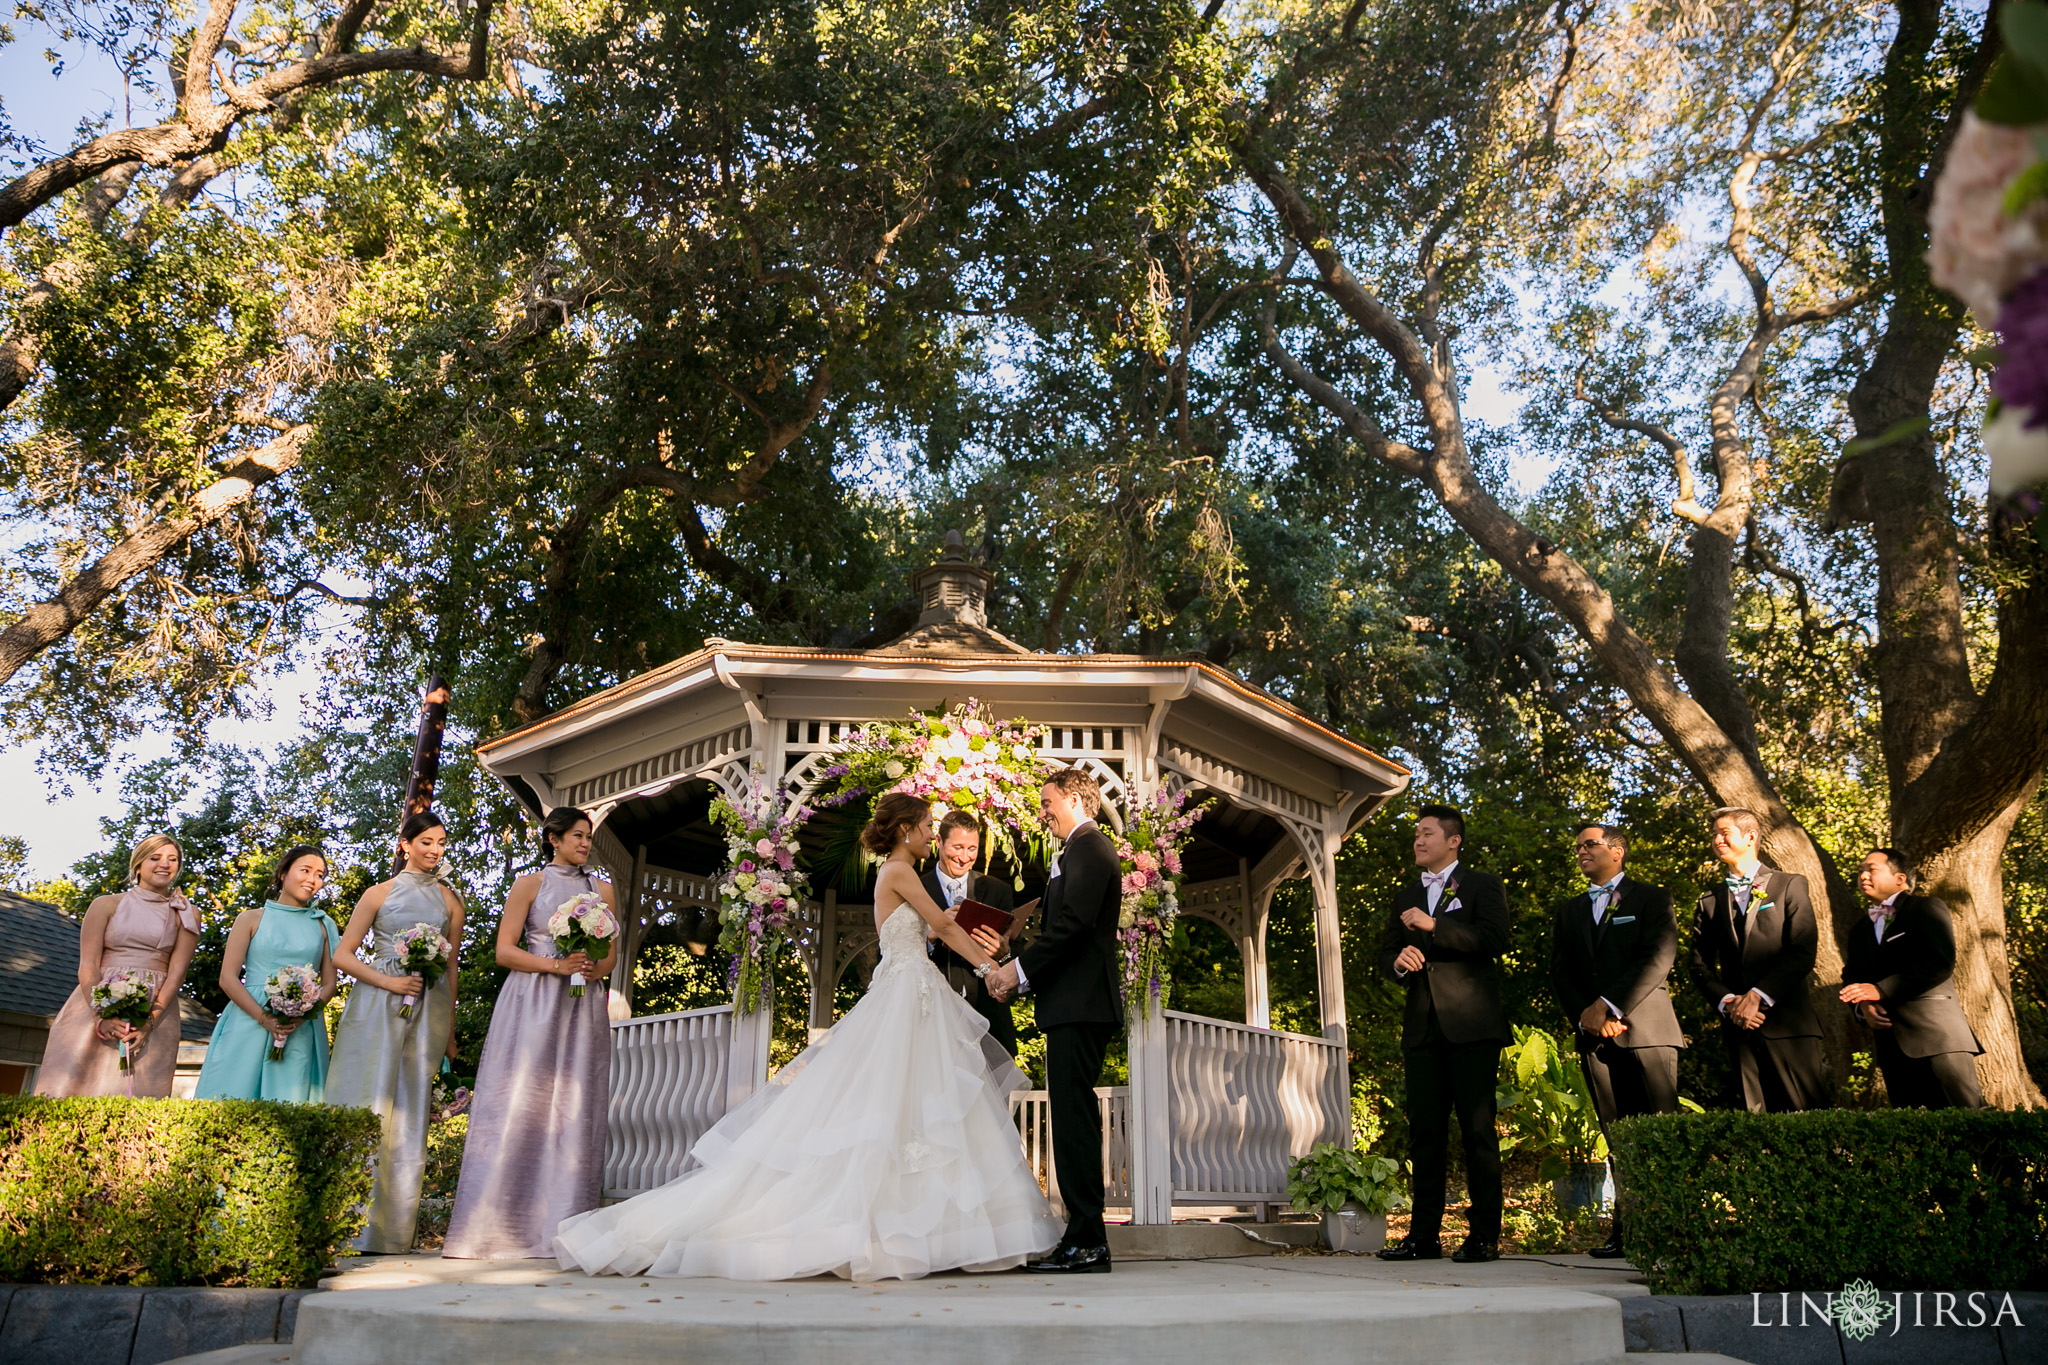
(1354,1193)
(1546,1108)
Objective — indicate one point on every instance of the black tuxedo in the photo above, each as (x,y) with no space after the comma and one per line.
(1071,972)
(1769,949)
(959,972)
(1451,1037)
(1625,960)
(1926,1055)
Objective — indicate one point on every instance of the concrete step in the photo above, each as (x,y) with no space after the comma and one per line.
(1186,1313)
(261,1353)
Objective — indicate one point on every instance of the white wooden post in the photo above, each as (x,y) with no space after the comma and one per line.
(748,1069)
(1151,1123)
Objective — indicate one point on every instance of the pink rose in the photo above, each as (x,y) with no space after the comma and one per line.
(1145,861)
(765,847)
(1134,882)
(1976,252)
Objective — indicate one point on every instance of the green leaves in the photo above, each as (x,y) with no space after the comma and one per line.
(2016,92)
(1330,1177)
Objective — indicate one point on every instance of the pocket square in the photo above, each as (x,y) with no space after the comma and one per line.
(1624,919)
(1446,909)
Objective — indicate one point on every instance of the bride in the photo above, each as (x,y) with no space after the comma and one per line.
(884,1150)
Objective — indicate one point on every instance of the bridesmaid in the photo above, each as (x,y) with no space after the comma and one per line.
(386,1063)
(150,927)
(284,931)
(535,1153)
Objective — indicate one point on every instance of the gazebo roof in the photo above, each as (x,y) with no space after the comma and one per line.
(644,748)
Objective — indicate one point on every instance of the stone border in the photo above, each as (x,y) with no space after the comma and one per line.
(125,1325)
(1727,1324)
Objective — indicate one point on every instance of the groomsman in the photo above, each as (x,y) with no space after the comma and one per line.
(1753,945)
(1445,933)
(1900,977)
(950,880)
(1612,948)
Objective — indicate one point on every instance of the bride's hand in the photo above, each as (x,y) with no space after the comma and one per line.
(989,941)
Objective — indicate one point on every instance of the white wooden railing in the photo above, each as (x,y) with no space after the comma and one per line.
(1242,1102)
(1034,1124)
(669,1084)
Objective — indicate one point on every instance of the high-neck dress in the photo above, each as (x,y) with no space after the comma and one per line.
(535,1153)
(386,1063)
(238,1065)
(141,934)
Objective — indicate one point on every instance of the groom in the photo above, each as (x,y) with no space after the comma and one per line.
(1071,968)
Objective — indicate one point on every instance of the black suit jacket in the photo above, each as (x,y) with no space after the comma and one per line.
(1460,984)
(1914,972)
(1072,964)
(982,887)
(1775,955)
(1626,959)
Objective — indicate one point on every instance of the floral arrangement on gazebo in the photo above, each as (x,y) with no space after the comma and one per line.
(961,759)
(762,887)
(1149,848)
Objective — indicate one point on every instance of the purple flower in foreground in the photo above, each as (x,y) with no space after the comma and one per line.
(2021,380)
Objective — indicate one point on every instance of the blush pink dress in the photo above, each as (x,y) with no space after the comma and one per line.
(140,935)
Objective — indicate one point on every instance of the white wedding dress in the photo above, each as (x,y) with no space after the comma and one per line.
(885,1150)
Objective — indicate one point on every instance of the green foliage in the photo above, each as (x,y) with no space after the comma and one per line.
(1330,1177)
(1539,1226)
(1546,1107)
(1739,1203)
(178,1192)
(445,1139)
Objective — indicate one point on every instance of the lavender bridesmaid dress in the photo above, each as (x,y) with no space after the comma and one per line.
(535,1153)
(140,935)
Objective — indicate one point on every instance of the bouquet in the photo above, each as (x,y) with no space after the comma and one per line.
(1149,850)
(292,992)
(761,892)
(125,994)
(424,953)
(581,924)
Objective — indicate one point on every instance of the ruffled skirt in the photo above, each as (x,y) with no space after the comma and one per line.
(885,1150)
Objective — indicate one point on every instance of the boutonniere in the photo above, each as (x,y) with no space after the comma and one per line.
(1757,905)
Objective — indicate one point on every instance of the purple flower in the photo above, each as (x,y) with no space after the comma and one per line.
(746,865)
(2021,380)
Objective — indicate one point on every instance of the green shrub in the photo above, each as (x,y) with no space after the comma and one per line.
(445,1139)
(1546,1106)
(1739,1203)
(179,1192)
(1539,1227)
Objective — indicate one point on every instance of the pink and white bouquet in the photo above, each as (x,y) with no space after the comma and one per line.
(422,951)
(291,992)
(581,924)
(125,994)
(1150,850)
(761,893)
(962,759)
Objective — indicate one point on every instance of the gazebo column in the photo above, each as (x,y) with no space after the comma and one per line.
(1322,876)
(824,957)
(1251,949)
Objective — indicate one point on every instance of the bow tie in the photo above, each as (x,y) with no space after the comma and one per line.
(1881,912)
(1609,890)
(1435,879)
(1740,883)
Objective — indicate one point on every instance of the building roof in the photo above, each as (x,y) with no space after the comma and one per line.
(39,964)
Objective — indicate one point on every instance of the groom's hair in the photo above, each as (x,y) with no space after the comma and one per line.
(958,819)
(1074,782)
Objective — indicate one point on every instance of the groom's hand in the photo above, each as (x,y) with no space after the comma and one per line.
(1002,982)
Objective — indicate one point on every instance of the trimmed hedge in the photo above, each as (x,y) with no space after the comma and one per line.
(1739,1203)
(179,1192)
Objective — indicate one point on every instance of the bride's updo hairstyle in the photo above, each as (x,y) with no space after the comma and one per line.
(893,814)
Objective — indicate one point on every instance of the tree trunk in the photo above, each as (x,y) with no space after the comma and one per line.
(1970,877)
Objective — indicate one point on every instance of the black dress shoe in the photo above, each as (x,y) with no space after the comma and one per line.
(1408,1249)
(1070,1260)
(1476,1249)
(1609,1250)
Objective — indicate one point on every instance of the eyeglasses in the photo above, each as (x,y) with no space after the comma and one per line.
(1594,843)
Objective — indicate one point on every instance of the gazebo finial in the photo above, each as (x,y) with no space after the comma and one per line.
(953,591)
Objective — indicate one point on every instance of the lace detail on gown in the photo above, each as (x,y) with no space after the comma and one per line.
(885,1150)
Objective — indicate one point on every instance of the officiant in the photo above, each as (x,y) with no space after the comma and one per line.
(952,879)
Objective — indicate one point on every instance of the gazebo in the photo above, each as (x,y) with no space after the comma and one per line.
(1215,1108)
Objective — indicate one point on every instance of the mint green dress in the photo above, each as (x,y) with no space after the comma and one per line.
(238,1065)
